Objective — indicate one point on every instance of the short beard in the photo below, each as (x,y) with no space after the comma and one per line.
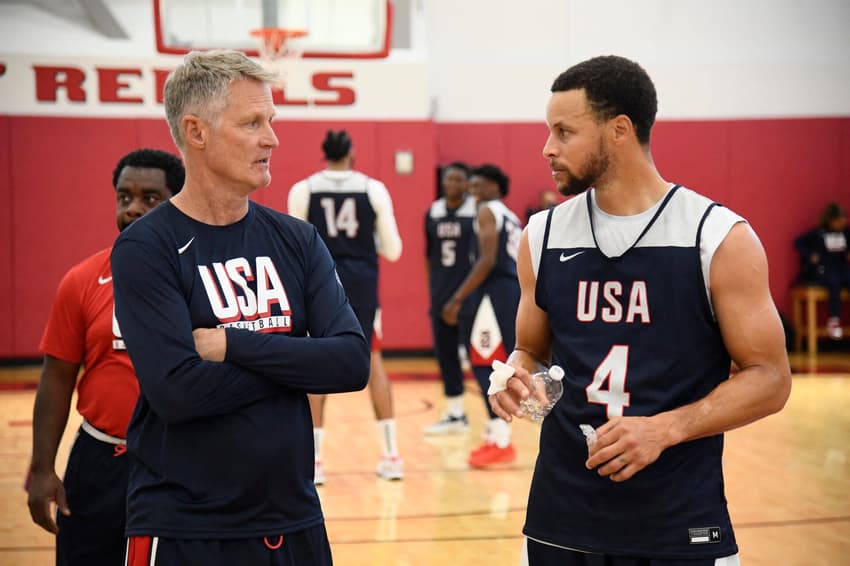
(596,167)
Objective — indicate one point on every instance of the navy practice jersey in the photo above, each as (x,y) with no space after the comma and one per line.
(225,449)
(637,336)
(354,215)
(450,245)
(509,230)
(494,302)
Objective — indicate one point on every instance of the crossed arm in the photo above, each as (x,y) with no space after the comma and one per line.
(186,376)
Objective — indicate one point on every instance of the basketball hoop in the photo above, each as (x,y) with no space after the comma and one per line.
(275,48)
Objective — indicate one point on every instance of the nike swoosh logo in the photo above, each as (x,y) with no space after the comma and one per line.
(569,257)
(104,280)
(182,249)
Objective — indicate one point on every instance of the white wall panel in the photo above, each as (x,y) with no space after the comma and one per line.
(490,59)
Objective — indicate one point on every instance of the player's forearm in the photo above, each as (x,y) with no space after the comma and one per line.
(50,416)
(389,241)
(331,364)
(198,389)
(477,275)
(749,395)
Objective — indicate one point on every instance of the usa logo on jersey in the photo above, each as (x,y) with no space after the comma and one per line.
(251,297)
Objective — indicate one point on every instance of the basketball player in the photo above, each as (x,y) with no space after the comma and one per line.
(449,250)
(81,331)
(231,313)
(642,291)
(354,215)
(493,290)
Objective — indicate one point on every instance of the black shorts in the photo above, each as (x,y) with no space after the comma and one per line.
(366,316)
(96,487)
(309,546)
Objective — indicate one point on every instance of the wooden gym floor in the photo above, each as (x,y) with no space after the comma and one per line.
(788,478)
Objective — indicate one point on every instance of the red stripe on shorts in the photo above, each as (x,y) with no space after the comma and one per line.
(139,551)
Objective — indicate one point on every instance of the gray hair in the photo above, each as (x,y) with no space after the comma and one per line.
(200,85)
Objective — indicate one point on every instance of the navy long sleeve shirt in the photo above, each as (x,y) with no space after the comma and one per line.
(225,449)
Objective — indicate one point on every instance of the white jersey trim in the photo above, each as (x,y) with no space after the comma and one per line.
(617,233)
(440,210)
(500,211)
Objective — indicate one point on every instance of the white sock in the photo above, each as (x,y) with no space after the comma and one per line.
(454,406)
(500,432)
(318,436)
(386,430)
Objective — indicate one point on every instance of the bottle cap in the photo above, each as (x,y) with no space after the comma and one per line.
(556,373)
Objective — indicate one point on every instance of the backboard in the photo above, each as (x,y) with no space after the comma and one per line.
(335,28)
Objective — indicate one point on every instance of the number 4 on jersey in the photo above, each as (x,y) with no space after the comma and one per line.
(613,370)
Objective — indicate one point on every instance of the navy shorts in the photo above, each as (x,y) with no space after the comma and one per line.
(309,546)
(366,317)
(540,554)
(446,343)
(96,488)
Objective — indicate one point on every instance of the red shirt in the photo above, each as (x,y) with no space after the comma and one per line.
(82,330)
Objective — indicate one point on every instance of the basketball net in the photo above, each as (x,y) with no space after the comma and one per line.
(277,51)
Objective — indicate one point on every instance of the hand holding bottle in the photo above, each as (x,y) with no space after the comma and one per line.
(546,389)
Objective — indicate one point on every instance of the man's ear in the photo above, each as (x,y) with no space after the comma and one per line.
(194,131)
(622,129)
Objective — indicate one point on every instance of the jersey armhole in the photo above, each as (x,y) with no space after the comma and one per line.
(539,294)
(712,231)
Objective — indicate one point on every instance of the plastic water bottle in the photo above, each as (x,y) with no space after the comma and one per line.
(544,385)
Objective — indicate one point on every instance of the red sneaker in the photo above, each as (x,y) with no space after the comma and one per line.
(488,454)
(483,447)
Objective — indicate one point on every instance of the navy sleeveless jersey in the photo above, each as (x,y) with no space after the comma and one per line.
(636,336)
(450,247)
(501,288)
(341,211)
(509,229)
(225,449)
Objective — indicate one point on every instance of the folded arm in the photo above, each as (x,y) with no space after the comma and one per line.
(334,358)
(157,328)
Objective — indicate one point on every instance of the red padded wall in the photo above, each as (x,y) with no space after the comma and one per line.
(7,321)
(63,207)
(55,178)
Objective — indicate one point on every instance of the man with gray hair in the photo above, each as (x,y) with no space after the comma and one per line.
(231,313)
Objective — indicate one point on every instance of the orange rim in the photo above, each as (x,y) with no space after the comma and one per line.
(283,33)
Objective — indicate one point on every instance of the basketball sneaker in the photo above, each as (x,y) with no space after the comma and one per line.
(449,424)
(318,473)
(391,468)
(489,454)
(833,328)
